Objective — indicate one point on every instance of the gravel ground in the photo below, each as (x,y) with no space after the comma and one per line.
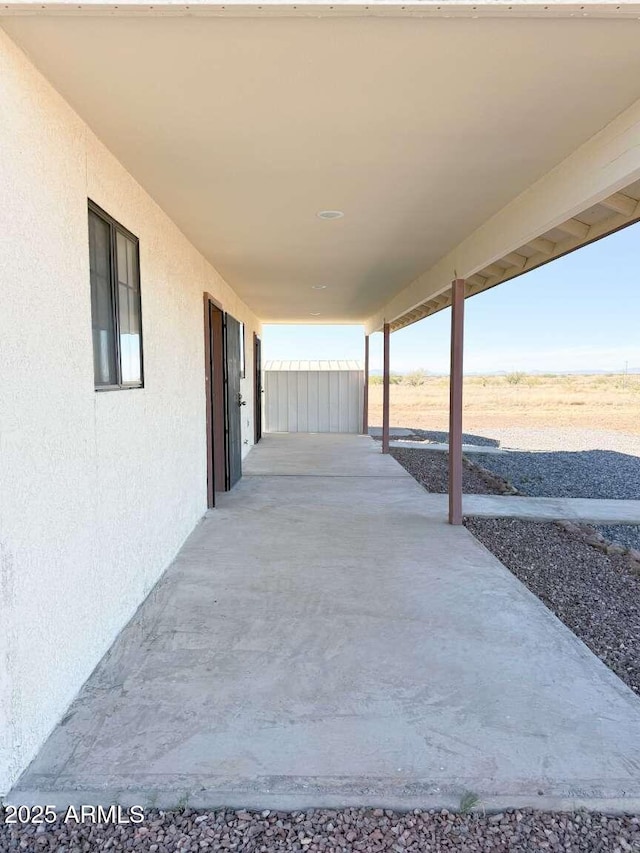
(556,462)
(549,439)
(342,831)
(568,463)
(571,439)
(594,594)
(438,437)
(627,535)
(566,474)
(576,473)
(430,469)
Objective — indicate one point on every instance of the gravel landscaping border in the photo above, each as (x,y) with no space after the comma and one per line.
(595,594)
(590,474)
(569,474)
(625,535)
(431,469)
(432,436)
(479,477)
(342,831)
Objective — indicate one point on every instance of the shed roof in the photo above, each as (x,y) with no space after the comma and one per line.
(332,364)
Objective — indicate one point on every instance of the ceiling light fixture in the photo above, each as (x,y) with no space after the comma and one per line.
(318,287)
(315,313)
(330,214)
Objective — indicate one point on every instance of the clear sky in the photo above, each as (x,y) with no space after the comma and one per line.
(580,312)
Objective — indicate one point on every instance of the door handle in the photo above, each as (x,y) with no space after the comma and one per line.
(241,402)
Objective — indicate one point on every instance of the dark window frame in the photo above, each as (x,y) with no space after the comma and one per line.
(243,353)
(114,228)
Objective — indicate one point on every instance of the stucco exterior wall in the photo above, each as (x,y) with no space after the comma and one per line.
(98,490)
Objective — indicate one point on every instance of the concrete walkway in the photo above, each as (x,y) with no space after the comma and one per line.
(324,639)
(590,510)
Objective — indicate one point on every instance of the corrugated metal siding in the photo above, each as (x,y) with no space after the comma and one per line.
(313,400)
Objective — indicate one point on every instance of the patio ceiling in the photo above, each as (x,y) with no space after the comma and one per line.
(419,129)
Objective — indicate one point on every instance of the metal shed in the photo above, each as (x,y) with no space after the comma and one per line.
(313,396)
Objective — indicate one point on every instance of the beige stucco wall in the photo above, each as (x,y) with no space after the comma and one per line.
(99,490)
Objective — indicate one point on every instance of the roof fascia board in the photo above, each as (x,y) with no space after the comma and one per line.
(602,166)
(623,9)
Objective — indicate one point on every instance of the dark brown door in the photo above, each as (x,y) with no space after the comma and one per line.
(257,403)
(233,401)
(214,380)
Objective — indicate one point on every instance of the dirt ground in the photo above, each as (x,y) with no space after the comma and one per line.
(516,400)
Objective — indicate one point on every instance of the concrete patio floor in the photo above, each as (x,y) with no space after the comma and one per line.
(324,639)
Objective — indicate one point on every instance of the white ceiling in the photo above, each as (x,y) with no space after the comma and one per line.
(418,129)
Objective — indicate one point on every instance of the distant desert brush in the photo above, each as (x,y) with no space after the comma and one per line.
(516,378)
(514,399)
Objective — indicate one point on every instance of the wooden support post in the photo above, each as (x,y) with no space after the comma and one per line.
(455,402)
(365,396)
(385,389)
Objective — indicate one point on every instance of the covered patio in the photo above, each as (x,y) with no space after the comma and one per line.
(325,638)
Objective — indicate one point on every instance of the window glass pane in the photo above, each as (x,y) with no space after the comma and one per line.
(129,308)
(121,247)
(132,261)
(104,357)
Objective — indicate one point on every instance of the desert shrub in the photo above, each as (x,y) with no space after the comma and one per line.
(516,378)
(418,377)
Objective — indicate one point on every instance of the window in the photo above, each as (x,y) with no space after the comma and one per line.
(115,303)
